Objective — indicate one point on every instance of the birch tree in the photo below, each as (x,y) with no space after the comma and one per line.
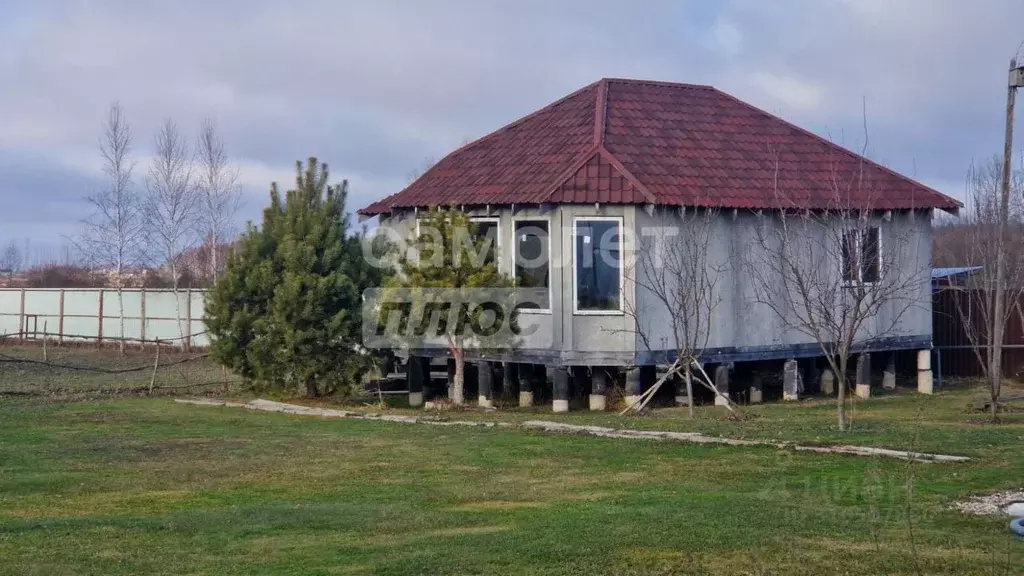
(171,204)
(112,235)
(218,191)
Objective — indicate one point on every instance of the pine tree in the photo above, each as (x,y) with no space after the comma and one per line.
(286,313)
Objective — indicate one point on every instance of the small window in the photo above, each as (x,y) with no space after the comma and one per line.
(597,252)
(487,229)
(862,256)
(532,264)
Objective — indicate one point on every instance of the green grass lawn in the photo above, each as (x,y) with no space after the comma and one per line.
(148,486)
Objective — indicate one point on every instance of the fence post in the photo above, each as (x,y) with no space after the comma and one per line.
(188,320)
(142,320)
(21,317)
(99,330)
(60,319)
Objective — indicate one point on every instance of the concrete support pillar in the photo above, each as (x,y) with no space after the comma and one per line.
(560,389)
(510,379)
(599,384)
(722,383)
(528,382)
(863,383)
(416,373)
(485,381)
(791,380)
(889,374)
(451,378)
(925,384)
(634,386)
(756,388)
(828,382)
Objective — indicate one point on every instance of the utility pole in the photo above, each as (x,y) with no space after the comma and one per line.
(998,305)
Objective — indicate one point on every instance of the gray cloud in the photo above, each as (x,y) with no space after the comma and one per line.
(374,88)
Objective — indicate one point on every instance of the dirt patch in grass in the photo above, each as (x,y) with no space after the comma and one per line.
(496,506)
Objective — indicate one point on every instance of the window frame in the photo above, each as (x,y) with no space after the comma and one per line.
(621,311)
(497,236)
(858,253)
(515,246)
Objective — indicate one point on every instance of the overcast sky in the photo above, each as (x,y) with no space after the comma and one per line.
(375,88)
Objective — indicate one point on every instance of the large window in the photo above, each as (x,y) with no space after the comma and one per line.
(598,265)
(862,255)
(532,262)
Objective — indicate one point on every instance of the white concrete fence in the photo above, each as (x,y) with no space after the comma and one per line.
(93,314)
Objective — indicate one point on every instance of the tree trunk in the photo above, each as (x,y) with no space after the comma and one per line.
(120,316)
(689,390)
(213,253)
(841,402)
(458,388)
(311,391)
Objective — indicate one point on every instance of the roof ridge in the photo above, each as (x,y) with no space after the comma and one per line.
(642,82)
(836,146)
(600,111)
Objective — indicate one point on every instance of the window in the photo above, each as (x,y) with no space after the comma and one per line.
(862,255)
(598,268)
(487,229)
(532,262)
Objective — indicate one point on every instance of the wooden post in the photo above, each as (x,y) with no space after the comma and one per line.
(45,357)
(142,319)
(99,331)
(21,317)
(60,319)
(188,319)
(156,364)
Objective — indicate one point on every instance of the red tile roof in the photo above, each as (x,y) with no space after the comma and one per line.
(640,142)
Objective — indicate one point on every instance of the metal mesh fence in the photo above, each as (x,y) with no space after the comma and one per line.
(39,365)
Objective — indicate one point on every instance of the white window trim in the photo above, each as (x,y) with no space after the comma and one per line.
(497,226)
(515,244)
(859,265)
(622,272)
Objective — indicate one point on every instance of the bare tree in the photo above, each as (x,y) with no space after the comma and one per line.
(219,192)
(974,241)
(840,273)
(677,281)
(12,260)
(112,236)
(172,203)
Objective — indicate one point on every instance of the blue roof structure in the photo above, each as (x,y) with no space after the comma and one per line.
(950,272)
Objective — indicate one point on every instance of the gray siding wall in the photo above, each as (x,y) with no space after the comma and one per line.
(741,321)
